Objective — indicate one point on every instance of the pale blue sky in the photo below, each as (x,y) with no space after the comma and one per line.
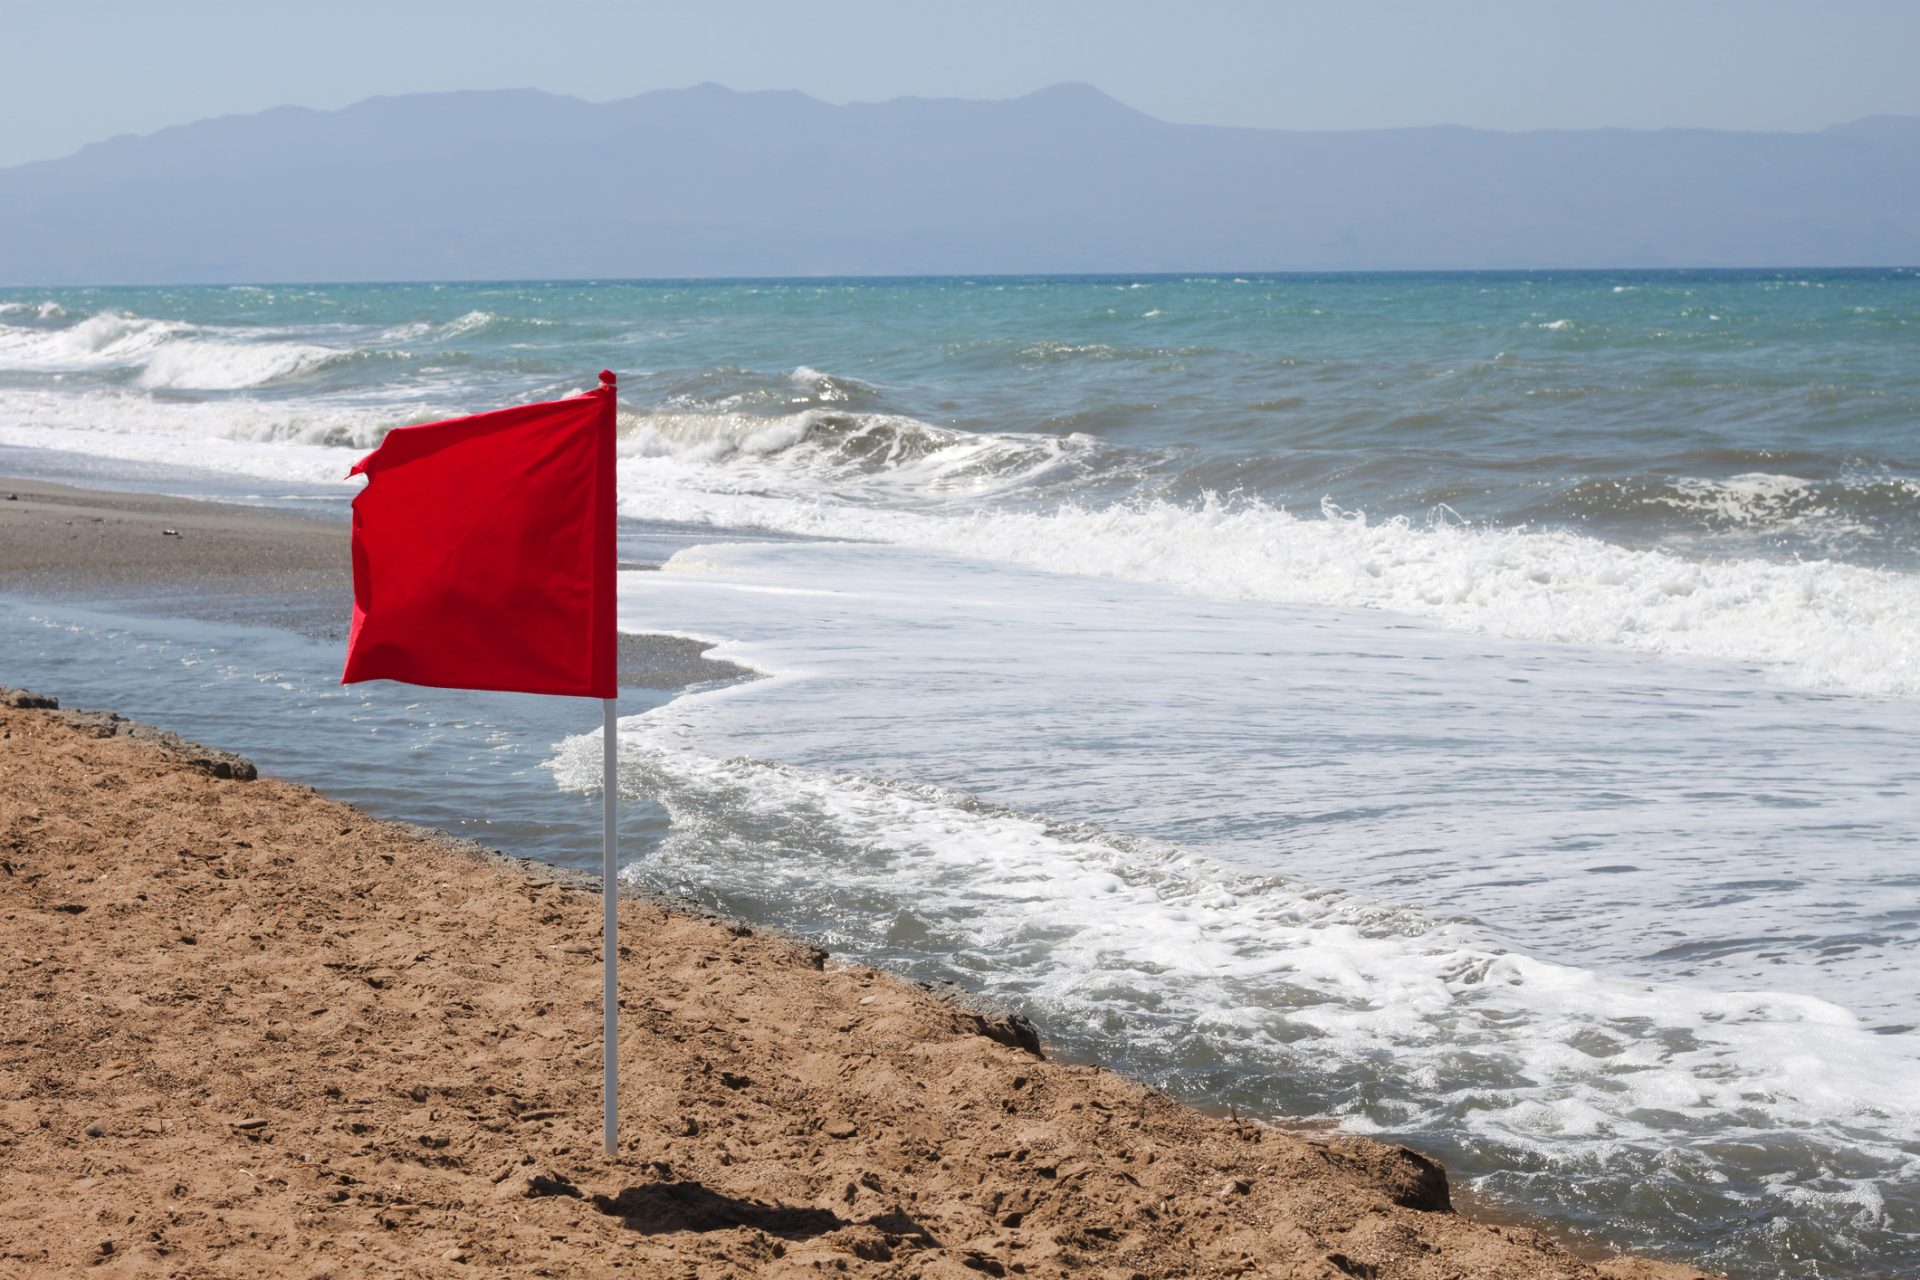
(73,71)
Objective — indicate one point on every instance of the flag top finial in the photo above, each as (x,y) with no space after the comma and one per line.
(606,377)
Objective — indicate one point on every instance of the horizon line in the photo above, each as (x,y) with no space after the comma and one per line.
(971,276)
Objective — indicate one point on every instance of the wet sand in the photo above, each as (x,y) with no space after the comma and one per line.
(175,556)
(222,562)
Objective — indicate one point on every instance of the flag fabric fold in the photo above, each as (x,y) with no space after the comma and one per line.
(483,552)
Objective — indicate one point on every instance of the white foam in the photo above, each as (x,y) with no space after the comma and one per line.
(231,366)
(106,339)
(470,323)
(48,310)
(166,353)
(1279,890)
(1087,928)
(309,442)
(1814,624)
(859,456)
(822,384)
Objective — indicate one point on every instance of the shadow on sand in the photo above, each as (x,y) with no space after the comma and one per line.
(661,1207)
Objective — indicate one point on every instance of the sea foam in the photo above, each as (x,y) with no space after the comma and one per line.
(1814,624)
(163,354)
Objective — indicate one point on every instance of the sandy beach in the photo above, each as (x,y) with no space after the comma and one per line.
(251,1031)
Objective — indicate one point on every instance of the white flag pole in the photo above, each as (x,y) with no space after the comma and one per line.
(610,939)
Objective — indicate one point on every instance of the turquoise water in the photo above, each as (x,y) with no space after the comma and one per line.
(1727,411)
(1477,708)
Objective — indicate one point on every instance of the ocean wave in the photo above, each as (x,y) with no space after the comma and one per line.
(1049,501)
(464,325)
(828,451)
(102,340)
(825,386)
(47,311)
(241,435)
(1396,1021)
(1759,498)
(233,366)
(162,354)
(1810,624)
(1051,351)
(1863,505)
(729,389)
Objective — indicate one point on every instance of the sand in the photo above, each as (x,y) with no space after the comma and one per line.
(176,556)
(245,1030)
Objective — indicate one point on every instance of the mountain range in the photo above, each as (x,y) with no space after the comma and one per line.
(706,181)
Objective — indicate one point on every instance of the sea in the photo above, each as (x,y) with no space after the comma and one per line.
(1474,710)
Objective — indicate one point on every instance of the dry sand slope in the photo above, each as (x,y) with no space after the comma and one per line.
(248,1031)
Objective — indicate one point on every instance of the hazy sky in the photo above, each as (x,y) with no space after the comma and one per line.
(73,71)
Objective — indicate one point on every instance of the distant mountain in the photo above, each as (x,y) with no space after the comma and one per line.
(710,182)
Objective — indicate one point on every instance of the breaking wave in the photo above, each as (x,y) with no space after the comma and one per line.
(831,452)
(169,354)
(1751,500)
(1813,624)
(1397,1021)
(309,440)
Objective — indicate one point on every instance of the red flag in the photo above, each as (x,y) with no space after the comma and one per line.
(483,552)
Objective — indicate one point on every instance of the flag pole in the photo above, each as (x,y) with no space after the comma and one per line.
(609,892)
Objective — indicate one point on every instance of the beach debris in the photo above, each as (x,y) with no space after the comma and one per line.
(169,533)
(1410,1179)
(252,1122)
(987,1017)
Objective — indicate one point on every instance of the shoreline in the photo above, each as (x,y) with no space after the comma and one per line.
(255,1029)
(86,545)
(224,562)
